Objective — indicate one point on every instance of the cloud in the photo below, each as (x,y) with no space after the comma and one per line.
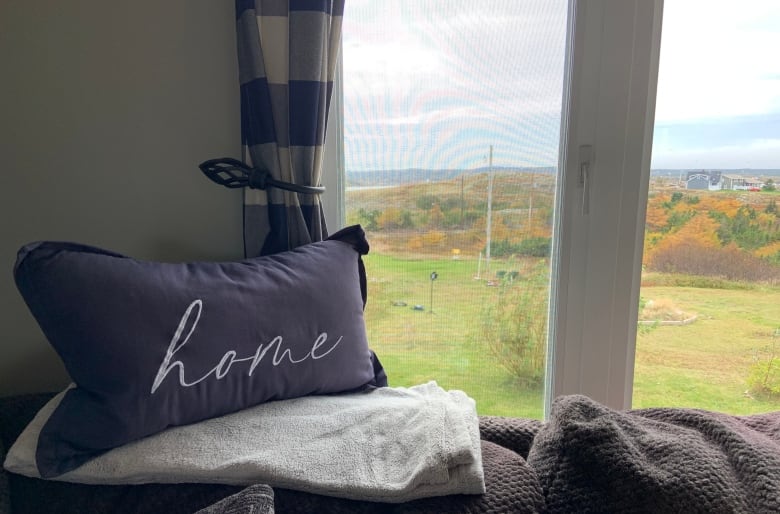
(719,59)
(757,154)
(455,79)
(463,46)
(427,86)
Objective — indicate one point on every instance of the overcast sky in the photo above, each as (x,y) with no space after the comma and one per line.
(435,91)
(718,103)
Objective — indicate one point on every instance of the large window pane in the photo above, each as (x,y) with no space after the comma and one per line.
(451,134)
(709,332)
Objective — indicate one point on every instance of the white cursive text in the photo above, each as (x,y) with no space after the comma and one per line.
(230,357)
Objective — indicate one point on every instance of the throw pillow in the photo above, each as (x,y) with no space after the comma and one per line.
(151,345)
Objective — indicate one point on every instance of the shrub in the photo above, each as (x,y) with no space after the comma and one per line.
(764,376)
(679,218)
(747,228)
(502,248)
(435,216)
(393,218)
(531,247)
(535,247)
(454,218)
(695,258)
(368,219)
(428,241)
(514,327)
(425,202)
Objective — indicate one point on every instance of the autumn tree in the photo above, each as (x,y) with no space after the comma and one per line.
(394,217)
(435,216)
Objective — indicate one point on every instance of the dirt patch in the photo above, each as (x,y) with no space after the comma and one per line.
(665,310)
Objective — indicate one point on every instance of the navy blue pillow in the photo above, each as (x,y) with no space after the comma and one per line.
(151,345)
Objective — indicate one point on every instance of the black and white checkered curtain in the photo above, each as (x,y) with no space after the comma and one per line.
(287,52)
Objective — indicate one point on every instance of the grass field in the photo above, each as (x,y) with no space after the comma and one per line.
(706,363)
(418,346)
(703,364)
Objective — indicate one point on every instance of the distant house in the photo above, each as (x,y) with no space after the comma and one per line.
(697,180)
(715,177)
(741,183)
(703,180)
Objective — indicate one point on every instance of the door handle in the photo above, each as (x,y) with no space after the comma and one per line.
(586,169)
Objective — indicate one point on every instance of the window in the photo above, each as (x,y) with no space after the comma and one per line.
(709,332)
(607,90)
(451,120)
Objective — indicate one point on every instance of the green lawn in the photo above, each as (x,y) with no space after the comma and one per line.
(418,346)
(703,364)
(706,363)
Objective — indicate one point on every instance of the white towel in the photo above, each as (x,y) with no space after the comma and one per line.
(389,445)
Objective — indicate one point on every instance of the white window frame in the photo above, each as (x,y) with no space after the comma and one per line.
(333,176)
(609,105)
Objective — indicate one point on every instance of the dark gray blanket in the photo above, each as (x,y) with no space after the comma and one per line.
(589,458)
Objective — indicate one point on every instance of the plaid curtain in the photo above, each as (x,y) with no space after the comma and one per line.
(287,52)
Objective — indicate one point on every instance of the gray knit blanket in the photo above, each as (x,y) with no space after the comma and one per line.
(589,458)
(586,458)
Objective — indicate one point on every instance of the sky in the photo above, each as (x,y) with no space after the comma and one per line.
(718,101)
(435,83)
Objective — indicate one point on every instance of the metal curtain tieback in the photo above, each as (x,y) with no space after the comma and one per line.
(233,173)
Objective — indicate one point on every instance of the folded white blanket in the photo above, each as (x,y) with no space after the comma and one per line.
(389,445)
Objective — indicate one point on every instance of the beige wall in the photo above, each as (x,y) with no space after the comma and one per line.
(106,108)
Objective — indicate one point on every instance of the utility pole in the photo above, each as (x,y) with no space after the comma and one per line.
(462,203)
(531,201)
(489,209)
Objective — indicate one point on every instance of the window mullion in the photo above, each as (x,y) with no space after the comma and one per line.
(613,73)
